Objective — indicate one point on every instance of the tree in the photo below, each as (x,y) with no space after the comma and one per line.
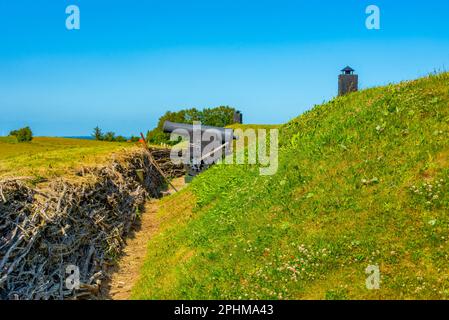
(97,134)
(193,114)
(109,136)
(23,134)
(219,117)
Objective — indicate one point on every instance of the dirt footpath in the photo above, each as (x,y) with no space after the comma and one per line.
(127,272)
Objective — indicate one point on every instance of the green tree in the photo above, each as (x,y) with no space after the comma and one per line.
(109,136)
(219,117)
(193,114)
(23,134)
(97,134)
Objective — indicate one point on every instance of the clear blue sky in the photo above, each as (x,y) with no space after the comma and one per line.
(133,60)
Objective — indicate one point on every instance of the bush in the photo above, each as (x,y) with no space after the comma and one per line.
(109,136)
(120,139)
(22,135)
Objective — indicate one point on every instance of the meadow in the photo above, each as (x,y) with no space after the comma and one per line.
(363,180)
(46,157)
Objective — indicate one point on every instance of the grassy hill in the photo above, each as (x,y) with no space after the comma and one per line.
(49,157)
(253,126)
(362,180)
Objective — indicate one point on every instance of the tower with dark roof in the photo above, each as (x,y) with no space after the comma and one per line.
(347,81)
(238,117)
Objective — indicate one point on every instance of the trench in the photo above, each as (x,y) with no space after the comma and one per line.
(63,239)
(127,271)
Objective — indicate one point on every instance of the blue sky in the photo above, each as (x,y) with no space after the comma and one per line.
(133,60)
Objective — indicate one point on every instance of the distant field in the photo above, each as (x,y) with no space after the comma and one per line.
(49,157)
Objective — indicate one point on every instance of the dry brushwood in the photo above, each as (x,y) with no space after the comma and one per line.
(83,224)
(162,157)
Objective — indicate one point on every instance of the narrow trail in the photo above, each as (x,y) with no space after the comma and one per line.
(126,273)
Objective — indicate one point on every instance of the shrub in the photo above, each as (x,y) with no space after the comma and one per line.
(23,134)
(120,139)
(109,136)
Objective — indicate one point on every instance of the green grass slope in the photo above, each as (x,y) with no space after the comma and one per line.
(362,180)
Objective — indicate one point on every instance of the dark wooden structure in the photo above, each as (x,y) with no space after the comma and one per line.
(347,81)
(238,117)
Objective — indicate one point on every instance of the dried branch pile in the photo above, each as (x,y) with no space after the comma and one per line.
(82,223)
(162,157)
